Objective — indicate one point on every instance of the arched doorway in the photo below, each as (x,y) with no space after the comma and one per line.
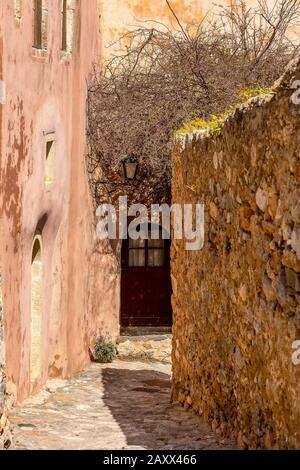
(146,283)
(36,311)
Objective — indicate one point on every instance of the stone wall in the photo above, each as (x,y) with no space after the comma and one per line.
(237,302)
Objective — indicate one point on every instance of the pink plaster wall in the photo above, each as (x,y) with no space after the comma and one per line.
(44,95)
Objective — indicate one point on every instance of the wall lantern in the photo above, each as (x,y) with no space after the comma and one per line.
(130,167)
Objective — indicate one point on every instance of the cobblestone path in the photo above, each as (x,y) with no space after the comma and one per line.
(124,405)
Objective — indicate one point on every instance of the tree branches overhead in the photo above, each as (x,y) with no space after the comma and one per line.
(161,78)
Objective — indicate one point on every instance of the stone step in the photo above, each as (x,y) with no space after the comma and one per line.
(145,331)
(145,347)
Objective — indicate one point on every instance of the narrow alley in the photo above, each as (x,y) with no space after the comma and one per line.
(149,229)
(124,405)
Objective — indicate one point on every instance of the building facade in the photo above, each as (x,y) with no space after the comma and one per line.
(119,16)
(57,285)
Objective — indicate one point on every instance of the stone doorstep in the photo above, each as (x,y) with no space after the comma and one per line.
(132,331)
(143,338)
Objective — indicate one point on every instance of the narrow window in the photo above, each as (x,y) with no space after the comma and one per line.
(40,18)
(50,159)
(137,253)
(66,25)
(18,10)
(148,253)
(156,253)
(38,10)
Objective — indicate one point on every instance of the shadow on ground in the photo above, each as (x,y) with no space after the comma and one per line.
(119,406)
(139,401)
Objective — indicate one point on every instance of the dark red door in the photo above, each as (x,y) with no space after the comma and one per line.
(146,283)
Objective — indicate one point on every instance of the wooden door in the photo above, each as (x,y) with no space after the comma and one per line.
(146,283)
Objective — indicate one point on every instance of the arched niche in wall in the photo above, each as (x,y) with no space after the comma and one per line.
(36,311)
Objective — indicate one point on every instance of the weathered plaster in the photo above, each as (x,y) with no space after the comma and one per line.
(47,94)
(119,16)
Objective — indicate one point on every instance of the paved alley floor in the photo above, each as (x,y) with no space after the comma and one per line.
(124,405)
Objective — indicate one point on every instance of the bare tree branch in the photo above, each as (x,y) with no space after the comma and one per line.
(160,79)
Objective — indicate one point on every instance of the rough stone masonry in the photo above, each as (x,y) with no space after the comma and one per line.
(237,302)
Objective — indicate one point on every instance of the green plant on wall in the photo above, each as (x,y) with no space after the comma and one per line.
(251,92)
(105,352)
(214,125)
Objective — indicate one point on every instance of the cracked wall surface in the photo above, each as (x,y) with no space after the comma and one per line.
(46,96)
